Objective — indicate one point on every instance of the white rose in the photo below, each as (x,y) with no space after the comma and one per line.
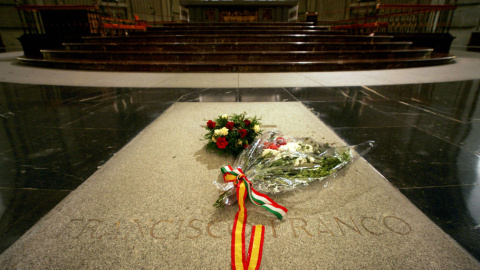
(225,116)
(223,131)
(214,139)
(239,142)
(217,132)
(256,128)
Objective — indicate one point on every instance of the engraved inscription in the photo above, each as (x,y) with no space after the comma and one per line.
(173,229)
(300,227)
(352,226)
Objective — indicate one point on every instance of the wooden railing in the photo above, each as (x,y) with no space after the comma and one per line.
(73,20)
(393,18)
(60,20)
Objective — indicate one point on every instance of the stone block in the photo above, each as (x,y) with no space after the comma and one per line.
(9,17)
(150,207)
(466,16)
(467,2)
(462,37)
(10,39)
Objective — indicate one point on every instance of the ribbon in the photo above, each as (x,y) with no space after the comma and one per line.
(244,188)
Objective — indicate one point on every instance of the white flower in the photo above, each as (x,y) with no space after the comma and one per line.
(225,116)
(296,163)
(256,128)
(291,147)
(214,139)
(308,148)
(223,131)
(311,159)
(268,151)
(239,142)
(299,161)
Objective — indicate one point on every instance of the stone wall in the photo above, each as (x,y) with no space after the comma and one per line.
(10,26)
(328,10)
(163,10)
(465,21)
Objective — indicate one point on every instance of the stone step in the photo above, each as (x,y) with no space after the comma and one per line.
(222,66)
(244,46)
(236,56)
(242,24)
(242,31)
(238,47)
(237,38)
(239,27)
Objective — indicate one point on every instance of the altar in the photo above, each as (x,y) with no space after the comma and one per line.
(240,11)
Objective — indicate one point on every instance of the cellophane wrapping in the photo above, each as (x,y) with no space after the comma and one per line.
(277,163)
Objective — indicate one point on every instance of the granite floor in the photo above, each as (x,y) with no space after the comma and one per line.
(52,138)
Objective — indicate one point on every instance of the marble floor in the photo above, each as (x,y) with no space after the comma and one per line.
(57,127)
(52,138)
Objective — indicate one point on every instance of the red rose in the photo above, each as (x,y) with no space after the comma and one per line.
(211,124)
(273,146)
(246,145)
(230,125)
(222,143)
(247,122)
(243,133)
(280,141)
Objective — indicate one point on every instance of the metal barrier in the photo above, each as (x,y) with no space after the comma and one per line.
(393,18)
(116,27)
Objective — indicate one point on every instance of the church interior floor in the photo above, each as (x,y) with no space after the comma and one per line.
(57,127)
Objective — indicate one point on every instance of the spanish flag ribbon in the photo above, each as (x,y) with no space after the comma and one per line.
(244,188)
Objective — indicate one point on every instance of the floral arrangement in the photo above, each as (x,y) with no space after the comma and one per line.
(277,163)
(230,134)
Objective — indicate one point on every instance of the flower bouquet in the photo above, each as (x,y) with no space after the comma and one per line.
(230,134)
(277,163)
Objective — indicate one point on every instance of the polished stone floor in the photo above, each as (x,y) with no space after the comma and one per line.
(52,138)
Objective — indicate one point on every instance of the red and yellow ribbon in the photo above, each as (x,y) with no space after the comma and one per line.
(255,250)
